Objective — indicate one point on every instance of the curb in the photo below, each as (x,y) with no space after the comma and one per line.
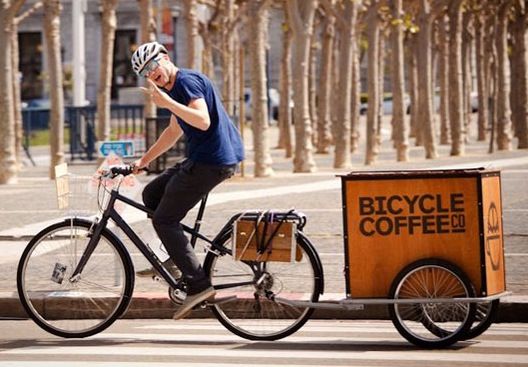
(512,309)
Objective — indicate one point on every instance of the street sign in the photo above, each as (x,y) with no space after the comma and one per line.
(122,148)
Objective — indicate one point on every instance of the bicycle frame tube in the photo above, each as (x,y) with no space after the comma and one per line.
(111,213)
(192,231)
(148,253)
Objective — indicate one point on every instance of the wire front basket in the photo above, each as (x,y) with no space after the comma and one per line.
(77,195)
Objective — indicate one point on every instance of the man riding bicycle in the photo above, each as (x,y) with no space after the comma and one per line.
(214,148)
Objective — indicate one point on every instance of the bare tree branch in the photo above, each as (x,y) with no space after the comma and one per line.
(211,3)
(294,15)
(15,6)
(330,9)
(28,12)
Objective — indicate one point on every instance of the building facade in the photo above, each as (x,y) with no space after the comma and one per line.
(33,63)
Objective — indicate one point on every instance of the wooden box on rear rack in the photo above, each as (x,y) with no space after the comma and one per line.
(275,240)
(392,218)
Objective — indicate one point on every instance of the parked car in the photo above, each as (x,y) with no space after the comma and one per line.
(35,113)
(43,103)
(387,105)
(274,98)
(474,102)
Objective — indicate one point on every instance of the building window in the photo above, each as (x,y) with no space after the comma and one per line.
(123,75)
(30,64)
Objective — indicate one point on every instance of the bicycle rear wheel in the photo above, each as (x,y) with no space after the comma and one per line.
(74,307)
(248,293)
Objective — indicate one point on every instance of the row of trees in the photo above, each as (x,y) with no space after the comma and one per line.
(12,12)
(423,46)
(427,49)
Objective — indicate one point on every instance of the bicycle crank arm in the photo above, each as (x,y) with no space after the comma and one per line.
(218,301)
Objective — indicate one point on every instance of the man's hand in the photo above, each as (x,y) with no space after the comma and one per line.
(137,165)
(159,97)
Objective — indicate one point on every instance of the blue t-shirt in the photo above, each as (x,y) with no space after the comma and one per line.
(220,144)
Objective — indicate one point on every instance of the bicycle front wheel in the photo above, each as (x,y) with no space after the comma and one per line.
(249,293)
(74,307)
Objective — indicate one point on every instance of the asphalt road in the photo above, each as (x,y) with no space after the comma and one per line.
(205,343)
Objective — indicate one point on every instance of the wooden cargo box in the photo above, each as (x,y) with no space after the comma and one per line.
(394,218)
(280,240)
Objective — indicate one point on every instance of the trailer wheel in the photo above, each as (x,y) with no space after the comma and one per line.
(438,323)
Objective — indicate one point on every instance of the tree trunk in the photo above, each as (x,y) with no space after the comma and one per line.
(456,111)
(467,39)
(325,91)
(482,82)
(108,27)
(334,116)
(399,125)
(492,74)
(207,53)
(189,8)
(342,158)
(301,14)
(425,98)
(8,168)
(520,109)
(356,97)
(52,32)
(503,82)
(285,113)
(148,34)
(312,82)
(381,81)
(228,55)
(443,75)
(413,87)
(259,13)
(373,34)
(17,108)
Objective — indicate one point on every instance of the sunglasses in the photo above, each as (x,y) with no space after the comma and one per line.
(150,67)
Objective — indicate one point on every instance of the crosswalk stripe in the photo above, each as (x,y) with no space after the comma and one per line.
(314,339)
(268,355)
(200,342)
(77,363)
(370,328)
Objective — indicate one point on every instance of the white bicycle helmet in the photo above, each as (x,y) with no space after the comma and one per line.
(145,53)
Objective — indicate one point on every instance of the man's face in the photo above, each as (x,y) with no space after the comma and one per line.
(161,74)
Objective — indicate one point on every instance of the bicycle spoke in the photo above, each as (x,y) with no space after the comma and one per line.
(80,307)
(253,314)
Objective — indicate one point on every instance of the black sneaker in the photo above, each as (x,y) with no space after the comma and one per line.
(193,300)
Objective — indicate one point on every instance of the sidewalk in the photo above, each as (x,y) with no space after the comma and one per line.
(27,206)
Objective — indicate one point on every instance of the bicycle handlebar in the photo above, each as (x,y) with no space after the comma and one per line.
(124,170)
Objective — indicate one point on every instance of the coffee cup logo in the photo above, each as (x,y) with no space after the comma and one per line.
(493,237)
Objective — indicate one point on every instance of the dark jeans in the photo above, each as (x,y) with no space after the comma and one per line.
(171,195)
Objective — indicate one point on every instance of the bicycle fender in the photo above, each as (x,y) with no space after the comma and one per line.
(302,237)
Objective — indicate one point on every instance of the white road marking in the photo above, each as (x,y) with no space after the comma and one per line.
(133,216)
(266,356)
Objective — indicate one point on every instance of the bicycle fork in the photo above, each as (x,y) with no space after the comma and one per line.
(95,236)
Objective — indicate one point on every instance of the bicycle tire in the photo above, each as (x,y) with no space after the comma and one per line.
(84,306)
(252,315)
(432,325)
(485,315)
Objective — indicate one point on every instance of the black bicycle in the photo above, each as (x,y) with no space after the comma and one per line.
(76,277)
